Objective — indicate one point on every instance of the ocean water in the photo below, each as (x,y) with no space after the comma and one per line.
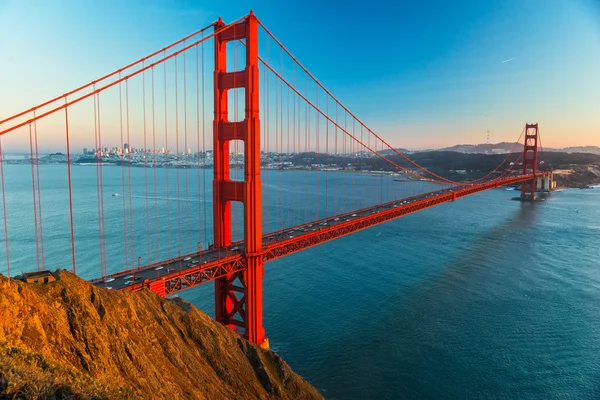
(485,298)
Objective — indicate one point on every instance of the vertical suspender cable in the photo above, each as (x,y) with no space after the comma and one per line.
(309,183)
(154,151)
(356,190)
(123,177)
(371,197)
(327,156)
(282,205)
(381,181)
(335,151)
(317,154)
(296,150)
(265,129)
(187,155)
(146,165)
(96,152)
(289,184)
(39,194)
(345,162)
(131,241)
(298,136)
(167,168)
(307,131)
(284,222)
(204,146)
(177,156)
(101,193)
(277,172)
(198,143)
(4,207)
(359,150)
(35,225)
(70,189)
(267,124)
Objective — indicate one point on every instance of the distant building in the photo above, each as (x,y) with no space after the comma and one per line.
(38,277)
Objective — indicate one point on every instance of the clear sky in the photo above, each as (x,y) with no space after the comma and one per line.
(425,74)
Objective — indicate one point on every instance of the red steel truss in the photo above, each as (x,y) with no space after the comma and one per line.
(228,267)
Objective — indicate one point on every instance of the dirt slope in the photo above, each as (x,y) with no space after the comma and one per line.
(69,339)
(578,176)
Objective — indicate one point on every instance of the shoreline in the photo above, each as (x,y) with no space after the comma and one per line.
(570,180)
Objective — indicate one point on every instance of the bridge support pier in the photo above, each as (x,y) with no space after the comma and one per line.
(238,297)
(254,311)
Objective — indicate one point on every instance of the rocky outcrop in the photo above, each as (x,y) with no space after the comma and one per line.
(69,339)
(578,176)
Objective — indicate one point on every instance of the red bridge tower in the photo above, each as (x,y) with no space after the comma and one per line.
(238,297)
(530,161)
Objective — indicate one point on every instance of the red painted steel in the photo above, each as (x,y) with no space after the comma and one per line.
(530,161)
(229,266)
(238,296)
(157,287)
(188,277)
(324,234)
(84,96)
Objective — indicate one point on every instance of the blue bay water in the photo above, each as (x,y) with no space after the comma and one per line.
(483,298)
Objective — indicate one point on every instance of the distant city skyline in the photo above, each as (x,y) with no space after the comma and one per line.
(459,147)
(438,75)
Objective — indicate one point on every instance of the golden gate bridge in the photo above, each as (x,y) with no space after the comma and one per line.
(267,107)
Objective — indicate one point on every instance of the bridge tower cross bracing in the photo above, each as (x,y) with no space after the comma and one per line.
(238,297)
(530,161)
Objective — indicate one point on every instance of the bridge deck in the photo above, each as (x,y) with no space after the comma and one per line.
(193,269)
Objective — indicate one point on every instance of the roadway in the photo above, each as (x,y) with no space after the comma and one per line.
(122,280)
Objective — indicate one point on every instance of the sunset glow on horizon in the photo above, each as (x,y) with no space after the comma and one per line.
(422,76)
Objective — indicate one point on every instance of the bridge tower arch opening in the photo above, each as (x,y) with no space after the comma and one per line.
(238,296)
(530,161)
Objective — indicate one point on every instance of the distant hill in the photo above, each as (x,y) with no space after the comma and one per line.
(487,148)
(399,150)
(506,147)
(582,149)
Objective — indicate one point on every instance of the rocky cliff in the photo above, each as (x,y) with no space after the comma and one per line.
(69,339)
(578,176)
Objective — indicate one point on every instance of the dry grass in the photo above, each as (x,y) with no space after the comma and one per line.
(29,375)
(69,339)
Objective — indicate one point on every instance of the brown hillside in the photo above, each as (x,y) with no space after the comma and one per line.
(578,176)
(69,339)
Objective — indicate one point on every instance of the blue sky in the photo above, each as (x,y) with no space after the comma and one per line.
(424,74)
